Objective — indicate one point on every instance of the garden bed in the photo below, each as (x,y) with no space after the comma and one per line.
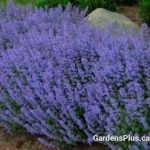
(131,12)
(28,142)
(63,93)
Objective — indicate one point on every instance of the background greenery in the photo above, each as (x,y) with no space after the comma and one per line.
(113,5)
(52,3)
(145,11)
(91,4)
(126,2)
(22,1)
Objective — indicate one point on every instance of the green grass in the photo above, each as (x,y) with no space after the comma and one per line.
(21,1)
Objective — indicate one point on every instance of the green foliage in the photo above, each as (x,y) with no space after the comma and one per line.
(51,122)
(12,103)
(52,3)
(2,106)
(126,2)
(17,129)
(79,111)
(21,1)
(145,11)
(26,1)
(128,125)
(14,106)
(91,4)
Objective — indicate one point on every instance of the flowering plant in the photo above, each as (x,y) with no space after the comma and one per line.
(65,81)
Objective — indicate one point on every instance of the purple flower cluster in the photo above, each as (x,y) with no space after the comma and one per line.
(65,81)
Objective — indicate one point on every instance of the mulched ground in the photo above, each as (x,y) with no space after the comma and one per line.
(19,142)
(26,142)
(131,12)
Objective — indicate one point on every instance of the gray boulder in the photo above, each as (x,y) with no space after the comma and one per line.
(102,17)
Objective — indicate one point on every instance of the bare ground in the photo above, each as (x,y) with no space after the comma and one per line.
(131,12)
(27,142)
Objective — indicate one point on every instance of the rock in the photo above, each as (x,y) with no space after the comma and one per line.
(102,17)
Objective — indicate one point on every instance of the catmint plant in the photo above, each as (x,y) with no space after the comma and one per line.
(65,81)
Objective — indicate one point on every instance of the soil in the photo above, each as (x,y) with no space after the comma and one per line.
(19,142)
(132,12)
(27,142)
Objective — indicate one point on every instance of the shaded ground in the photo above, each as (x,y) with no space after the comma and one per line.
(131,12)
(20,142)
(26,142)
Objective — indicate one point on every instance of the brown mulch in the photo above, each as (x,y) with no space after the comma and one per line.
(19,142)
(27,142)
(131,12)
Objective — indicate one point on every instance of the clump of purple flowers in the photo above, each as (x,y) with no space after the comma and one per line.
(65,81)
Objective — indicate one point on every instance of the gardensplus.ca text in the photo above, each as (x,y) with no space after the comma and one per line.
(97,138)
